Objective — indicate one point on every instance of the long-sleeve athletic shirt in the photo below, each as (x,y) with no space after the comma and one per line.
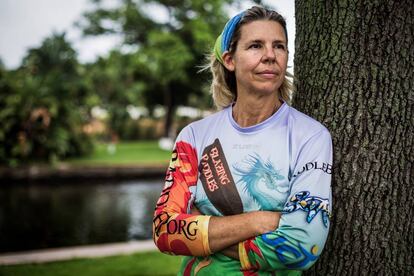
(282,164)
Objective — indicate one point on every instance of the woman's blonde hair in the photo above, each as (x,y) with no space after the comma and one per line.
(223,86)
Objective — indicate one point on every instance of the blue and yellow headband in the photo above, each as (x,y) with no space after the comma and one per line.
(223,40)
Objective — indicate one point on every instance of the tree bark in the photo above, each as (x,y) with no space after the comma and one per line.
(354,72)
(169,112)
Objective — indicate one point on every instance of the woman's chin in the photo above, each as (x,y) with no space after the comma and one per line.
(266,90)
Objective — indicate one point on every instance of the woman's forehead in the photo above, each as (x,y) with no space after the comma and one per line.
(262,29)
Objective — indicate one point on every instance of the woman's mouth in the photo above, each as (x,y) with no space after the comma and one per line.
(268,74)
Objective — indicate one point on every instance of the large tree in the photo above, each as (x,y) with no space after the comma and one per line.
(354,71)
(43,105)
(113,83)
(169,51)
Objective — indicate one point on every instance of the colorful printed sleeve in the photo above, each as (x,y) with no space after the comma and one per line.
(174,230)
(304,224)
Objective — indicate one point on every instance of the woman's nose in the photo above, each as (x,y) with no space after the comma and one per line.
(269,54)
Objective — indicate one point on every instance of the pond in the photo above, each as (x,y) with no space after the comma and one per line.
(69,214)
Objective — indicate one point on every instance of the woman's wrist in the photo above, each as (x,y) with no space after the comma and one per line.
(255,222)
(265,221)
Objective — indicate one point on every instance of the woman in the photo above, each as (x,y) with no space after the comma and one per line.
(248,188)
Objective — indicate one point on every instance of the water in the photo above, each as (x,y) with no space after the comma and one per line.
(69,214)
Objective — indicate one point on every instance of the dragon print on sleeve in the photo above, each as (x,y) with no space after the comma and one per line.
(175,231)
(304,224)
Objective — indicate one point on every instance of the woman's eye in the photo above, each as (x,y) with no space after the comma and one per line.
(280,46)
(255,46)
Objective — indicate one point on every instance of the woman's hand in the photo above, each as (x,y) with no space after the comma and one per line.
(263,222)
(266,221)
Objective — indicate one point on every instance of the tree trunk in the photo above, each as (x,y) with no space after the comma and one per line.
(169,112)
(354,71)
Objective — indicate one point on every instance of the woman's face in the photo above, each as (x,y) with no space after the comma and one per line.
(260,59)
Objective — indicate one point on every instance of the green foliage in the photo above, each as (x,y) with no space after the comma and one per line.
(43,106)
(45,103)
(146,263)
(113,82)
(168,65)
(142,129)
(168,54)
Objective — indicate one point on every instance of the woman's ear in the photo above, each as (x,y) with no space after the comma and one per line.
(228,61)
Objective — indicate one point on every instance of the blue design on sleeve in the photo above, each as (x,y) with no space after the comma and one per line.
(261,180)
(310,204)
(283,249)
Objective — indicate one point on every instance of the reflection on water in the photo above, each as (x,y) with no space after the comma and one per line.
(44,216)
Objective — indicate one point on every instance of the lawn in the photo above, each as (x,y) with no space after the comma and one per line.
(147,263)
(125,153)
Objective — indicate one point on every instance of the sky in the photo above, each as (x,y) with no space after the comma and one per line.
(24,24)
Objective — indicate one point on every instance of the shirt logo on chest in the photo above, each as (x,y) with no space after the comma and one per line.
(217,180)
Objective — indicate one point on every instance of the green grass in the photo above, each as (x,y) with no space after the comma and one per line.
(146,263)
(127,153)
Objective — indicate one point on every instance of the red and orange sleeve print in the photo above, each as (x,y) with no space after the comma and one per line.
(174,231)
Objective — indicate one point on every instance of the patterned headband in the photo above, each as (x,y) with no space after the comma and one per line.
(223,40)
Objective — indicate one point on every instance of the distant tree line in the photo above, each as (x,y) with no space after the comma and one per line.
(46,102)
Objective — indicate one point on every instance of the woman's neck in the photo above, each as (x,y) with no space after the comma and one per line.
(250,111)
